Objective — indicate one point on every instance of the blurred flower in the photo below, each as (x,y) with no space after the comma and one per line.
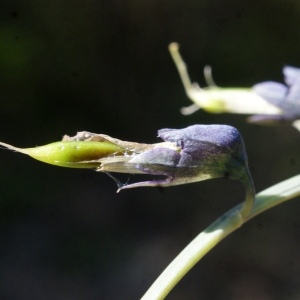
(286,97)
(269,102)
(214,99)
(195,153)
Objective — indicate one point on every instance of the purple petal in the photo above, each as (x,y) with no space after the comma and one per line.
(207,151)
(273,92)
(290,74)
(200,143)
(159,161)
(268,119)
(293,98)
(160,156)
(191,138)
(162,183)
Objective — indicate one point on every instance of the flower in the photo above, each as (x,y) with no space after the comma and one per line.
(191,154)
(215,99)
(187,155)
(203,152)
(286,97)
(269,102)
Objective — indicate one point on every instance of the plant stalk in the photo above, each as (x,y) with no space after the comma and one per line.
(217,231)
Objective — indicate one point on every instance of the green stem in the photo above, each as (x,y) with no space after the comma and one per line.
(250,194)
(181,67)
(217,231)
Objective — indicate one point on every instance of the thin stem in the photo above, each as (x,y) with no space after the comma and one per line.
(181,67)
(250,194)
(217,231)
(202,244)
(215,99)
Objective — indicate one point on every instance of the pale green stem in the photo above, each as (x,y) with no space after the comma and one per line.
(250,194)
(181,66)
(217,231)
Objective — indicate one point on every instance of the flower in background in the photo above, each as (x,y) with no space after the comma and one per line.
(215,99)
(269,102)
(286,97)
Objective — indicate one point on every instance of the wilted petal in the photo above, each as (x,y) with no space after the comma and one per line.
(130,147)
(160,156)
(118,164)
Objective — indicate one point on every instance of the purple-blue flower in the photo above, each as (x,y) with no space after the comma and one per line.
(191,154)
(284,96)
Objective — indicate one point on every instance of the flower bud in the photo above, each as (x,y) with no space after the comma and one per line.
(72,154)
(215,99)
(191,154)
(204,152)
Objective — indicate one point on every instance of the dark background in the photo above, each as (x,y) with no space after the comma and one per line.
(104,67)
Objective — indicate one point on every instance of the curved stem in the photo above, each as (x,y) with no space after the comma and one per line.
(202,244)
(250,194)
(217,231)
